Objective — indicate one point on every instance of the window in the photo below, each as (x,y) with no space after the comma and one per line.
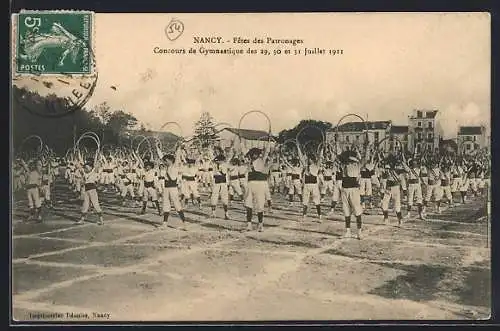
(429,136)
(376,137)
(429,125)
(474,138)
(357,137)
(467,147)
(418,147)
(429,147)
(419,124)
(468,138)
(419,135)
(419,114)
(347,138)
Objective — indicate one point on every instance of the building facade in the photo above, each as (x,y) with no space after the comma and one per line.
(401,132)
(470,138)
(425,130)
(358,133)
(249,138)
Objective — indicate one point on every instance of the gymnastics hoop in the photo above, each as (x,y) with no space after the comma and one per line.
(289,141)
(303,129)
(77,146)
(344,117)
(143,140)
(251,112)
(398,143)
(174,123)
(40,147)
(93,134)
(134,139)
(77,143)
(181,137)
(309,143)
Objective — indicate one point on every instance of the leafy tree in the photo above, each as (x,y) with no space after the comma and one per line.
(119,121)
(313,130)
(205,131)
(103,112)
(59,132)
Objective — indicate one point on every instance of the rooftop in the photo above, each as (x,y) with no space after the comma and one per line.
(360,126)
(399,129)
(158,134)
(248,134)
(425,113)
(470,130)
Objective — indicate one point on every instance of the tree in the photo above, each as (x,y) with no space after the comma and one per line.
(58,132)
(315,134)
(205,131)
(119,121)
(310,138)
(103,112)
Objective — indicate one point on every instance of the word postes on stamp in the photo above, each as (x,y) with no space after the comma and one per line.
(54,42)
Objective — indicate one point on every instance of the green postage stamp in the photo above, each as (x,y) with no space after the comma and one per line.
(54,42)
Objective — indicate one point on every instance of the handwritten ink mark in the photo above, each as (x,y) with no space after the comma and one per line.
(174,29)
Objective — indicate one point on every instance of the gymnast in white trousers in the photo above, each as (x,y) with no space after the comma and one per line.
(255,195)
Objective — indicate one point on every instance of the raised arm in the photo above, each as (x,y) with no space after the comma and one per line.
(178,157)
(243,147)
(267,149)
(302,158)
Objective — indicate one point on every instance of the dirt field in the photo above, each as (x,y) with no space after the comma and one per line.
(295,270)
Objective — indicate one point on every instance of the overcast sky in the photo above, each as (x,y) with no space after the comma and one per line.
(392,63)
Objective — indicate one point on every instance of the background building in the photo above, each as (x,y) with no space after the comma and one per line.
(249,138)
(470,138)
(358,132)
(132,138)
(424,129)
(401,132)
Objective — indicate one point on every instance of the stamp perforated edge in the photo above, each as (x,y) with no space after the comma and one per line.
(14,27)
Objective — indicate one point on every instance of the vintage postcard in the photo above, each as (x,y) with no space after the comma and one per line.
(250,167)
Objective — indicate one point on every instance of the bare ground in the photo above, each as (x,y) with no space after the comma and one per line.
(295,270)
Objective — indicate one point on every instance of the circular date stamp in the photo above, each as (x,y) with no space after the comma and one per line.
(54,70)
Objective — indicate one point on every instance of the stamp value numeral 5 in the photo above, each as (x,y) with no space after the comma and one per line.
(32,22)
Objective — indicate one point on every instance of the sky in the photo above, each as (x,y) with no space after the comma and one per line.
(391,64)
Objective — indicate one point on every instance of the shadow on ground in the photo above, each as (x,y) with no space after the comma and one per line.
(476,289)
(429,282)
